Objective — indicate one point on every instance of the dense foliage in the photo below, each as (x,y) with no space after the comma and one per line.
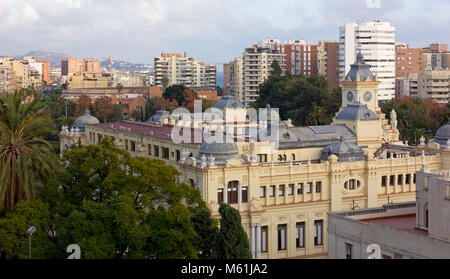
(417,117)
(305,100)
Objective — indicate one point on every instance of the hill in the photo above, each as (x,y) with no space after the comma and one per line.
(54,57)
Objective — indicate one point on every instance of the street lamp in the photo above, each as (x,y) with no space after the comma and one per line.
(30,232)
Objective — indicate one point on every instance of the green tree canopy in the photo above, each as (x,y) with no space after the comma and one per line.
(232,241)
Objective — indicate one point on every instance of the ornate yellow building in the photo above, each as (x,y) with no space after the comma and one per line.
(284,193)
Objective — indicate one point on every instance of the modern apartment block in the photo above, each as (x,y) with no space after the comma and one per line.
(406,87)
(435,57)
(233,78)
(183,70)
(15,74)
(6,78)
(407,60)
(257,61)
(376,41)
(328,61)
(434,84)
(71,66)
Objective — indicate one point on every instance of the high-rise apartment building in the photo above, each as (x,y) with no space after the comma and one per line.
(328,62)
(434,84)
(6,78)
(71,66)
(233,78)
(183,70)
(376,41)
(435,57)
(407,60)
(257,61)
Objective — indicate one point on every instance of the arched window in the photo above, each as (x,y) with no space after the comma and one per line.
(293,157)
(280,158)
(352,184)
(284,158)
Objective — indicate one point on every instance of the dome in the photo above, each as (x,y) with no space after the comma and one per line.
(443,134)
(346,151)
(81,121)
(361,68)
(228,101)
(220,151)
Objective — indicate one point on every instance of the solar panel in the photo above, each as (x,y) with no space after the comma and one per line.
(323,129)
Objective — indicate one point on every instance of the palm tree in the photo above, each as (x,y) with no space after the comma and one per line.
(26,158)
(316,117)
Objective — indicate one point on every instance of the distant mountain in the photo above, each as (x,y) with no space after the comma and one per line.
(124,66)
(54,57)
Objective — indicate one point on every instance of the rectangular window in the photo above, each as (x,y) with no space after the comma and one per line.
(400,179)
(318,230)
(300,189)
(178,155)
(309,188)
(391,180)
(384,181)
(262,191)
(220,196)
(232,194)
(348,251)
(244,194)
(281,190)
(318,187)
(262,158)
(282,237)
(272,191)
(264,239)
(300,235)
(149,146)
(291,189)
(414,179)
(133,146)
(156,151)
(126,143)
(165,153)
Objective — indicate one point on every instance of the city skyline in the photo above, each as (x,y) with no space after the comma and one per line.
(139,31)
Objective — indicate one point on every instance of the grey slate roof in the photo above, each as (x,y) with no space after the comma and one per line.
(81,121)
(220,151)
(443,134)
(304,137)
(346,151)
(357,111)
(361,68)
(228,101)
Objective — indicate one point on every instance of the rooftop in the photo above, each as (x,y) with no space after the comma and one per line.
(402,222)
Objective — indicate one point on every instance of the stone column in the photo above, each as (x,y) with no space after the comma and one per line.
(240,195)
(225,193)
(258,240)
(252,239)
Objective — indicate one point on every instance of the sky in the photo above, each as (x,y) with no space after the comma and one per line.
(215,31)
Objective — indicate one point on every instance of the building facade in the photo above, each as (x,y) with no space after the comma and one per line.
(284,187)
(418,230)
(376,41)
(71,66)
(256,68)
(434,84)
(183,70)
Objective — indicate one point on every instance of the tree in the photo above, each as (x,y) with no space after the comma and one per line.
(84,103)
(165,83)
(232,241)
(166,104)
(26,158)
(119,87)
(116,114)
(276,70)
(189,97)
(136,115)
(150,106)
(117,206)
(104,108)
(316,117)
(206,233)
(175,92)
(294,96)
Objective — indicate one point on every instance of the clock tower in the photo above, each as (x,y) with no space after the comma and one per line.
(360,85)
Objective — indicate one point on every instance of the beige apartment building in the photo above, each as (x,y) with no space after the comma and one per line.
(284,187)
(71,66)
(257,63)
(183,70)
(6,78)
(89,80)
(434,84)
(234,78)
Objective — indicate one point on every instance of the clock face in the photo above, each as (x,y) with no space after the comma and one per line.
(350,96)
(367,96)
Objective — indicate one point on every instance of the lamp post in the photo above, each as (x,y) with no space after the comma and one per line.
(30,232)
